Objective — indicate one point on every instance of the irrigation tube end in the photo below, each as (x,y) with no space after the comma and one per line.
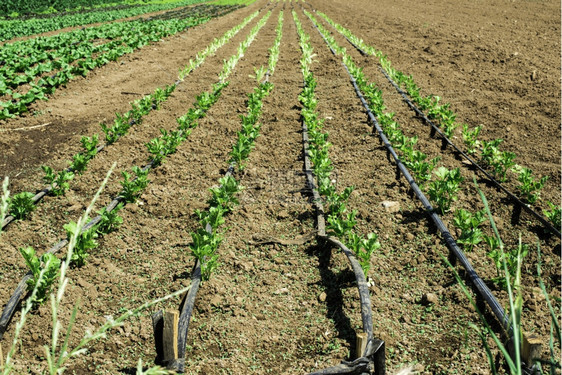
(375,351)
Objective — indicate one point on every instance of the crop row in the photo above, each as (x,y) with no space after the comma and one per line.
(223,198)
(499,162)
(508,262)
(21,204)
(73,54)
(206,240)
(10,29)
(13,7)
(132,186)
(442,185)
(340,222)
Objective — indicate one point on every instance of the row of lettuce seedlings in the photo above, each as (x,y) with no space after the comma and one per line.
(445,184)
(340,220)
(338,227)
(207,239)
(136,35)
(510,263)
(132,186)
(500,162)
(23,203)
(223,198)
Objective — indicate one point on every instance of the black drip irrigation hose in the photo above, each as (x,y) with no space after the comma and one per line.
(21,288)
(478,283)
(42,193)
(435,129)
(186,308)
(375,350)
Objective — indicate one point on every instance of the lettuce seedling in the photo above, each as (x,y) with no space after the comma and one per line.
(49,263)
(84,241)
(110,220)
(21,205)
(58,182)
(554,214)
(468,223)
(443,190)
(133,186)
(530,188)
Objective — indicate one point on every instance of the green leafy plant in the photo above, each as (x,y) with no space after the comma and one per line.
(500,161)
(554,214)
(204,247)
(259,73)
(85,240)
(363,248)
(470,138)
(225,195)
(340,225)
(157,147)
(530,188)
(49,264)
(58,182)
(443,190)
(416,162)
(133,186)
(90,145)
(468,223)
(79,163)
(21,205)
(110,220)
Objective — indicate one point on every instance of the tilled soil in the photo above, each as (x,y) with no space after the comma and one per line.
(272,308)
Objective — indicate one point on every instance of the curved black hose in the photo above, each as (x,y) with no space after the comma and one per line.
(446,139)
(375,347)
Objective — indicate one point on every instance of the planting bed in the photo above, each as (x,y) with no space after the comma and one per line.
(282,300)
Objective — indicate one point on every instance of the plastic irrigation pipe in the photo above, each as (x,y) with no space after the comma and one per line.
(188,303)
(375,348)
(21,288)
(435,128)
(481,287)
(16,297)
(8,219)
(187,306)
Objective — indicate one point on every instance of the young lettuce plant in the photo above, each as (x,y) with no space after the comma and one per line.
(364,248)
(468,223)
(90,145)
(500,161)
(530,188)
(470,138)
(554,214)
(21,205)
(110,220)
(79,163)
(133,186)
(58,182)
(85,240)
(204,247)
(443,190)
(225,195)
(49,264)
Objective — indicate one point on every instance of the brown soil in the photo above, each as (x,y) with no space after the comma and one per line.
(293,309)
